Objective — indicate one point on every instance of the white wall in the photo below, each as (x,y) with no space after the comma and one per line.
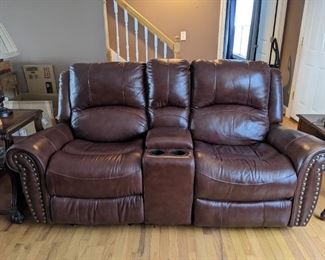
(59,32)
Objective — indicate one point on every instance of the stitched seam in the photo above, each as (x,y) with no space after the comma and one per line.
(171,106)
(89,87)
(215,83)
(63,133)
(172,116)
(249,101)
(226,110)
(168,83)
(294,140)
(96,154)
(122,84)
(245,184)
(49,140)
(92,179)
(122,110)
(246,140)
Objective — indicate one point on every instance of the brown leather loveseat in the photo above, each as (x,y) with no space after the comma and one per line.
(171,143)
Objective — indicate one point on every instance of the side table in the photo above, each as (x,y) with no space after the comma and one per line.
(314,125)
(8,126)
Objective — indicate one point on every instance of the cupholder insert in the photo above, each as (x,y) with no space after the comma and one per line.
(179,152)
(156,152)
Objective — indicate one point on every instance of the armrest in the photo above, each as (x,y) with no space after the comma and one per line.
(30,158)
(307,154)
(298,146)
(169,138)
(39,146)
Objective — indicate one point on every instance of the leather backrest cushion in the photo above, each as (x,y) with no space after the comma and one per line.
(230,101)
(108,101)
(229,124)
(107,84)
(109,124)
(169,92)
(230,82)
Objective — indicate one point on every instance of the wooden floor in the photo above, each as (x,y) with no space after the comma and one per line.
(290,123)
(38,241)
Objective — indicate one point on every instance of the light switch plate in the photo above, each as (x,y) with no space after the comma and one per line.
(183,35)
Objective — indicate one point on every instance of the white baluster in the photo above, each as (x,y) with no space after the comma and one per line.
(136,30)
(146,42)
(117,29)
(126,21)
(165,50)
(156,46)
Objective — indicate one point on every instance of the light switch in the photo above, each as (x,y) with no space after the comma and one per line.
(183,35)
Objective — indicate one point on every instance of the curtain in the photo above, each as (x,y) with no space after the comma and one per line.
(229,29)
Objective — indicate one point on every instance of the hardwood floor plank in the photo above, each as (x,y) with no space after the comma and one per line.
(39,241)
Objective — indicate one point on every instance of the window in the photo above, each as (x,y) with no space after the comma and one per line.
(243,20)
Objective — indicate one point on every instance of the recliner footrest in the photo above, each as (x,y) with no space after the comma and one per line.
(124,210)
(208,213)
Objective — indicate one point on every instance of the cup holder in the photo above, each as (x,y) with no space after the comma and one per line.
(156,152)
(179,152)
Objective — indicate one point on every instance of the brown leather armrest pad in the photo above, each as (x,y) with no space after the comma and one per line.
(41,145)
(169,138)
(298,146)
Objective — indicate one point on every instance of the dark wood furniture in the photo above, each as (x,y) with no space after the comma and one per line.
(313,124)
(8,126)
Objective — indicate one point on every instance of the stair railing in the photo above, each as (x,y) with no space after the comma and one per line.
(140,22)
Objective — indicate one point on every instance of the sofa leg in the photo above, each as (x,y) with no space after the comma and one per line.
(322,215)
(18,202)
(17,217)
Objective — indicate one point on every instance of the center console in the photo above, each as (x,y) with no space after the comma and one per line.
(168,175)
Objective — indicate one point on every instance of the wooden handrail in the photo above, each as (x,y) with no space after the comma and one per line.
(108,47)
(145,22)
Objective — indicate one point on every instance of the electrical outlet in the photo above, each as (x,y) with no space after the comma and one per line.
(183,35)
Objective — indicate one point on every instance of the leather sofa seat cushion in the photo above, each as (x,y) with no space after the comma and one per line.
(256,172)
(96,170)
(169,138)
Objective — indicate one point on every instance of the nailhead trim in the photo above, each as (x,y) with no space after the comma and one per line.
(23,171)
(303,188)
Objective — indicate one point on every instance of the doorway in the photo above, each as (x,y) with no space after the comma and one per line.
(308,85)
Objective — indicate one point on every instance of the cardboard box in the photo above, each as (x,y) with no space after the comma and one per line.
(40,79)
(8,84)
(39,97)
(4,67)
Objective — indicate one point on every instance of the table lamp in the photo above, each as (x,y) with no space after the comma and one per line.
(8,50)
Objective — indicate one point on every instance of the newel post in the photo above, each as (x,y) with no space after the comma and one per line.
(177,47)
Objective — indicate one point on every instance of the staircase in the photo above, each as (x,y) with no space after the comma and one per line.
(132,37)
